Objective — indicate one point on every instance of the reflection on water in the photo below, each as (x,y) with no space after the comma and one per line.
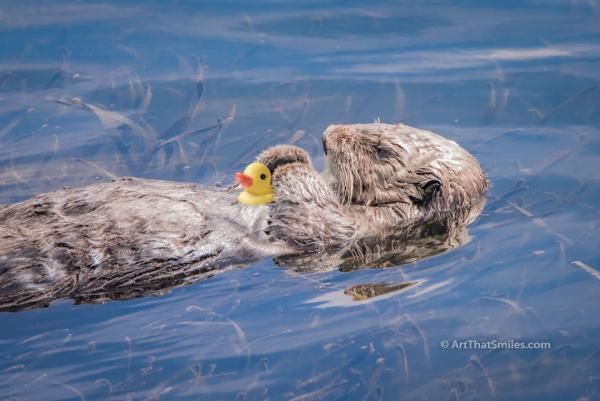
(393,246)
(363,292)
(192,91)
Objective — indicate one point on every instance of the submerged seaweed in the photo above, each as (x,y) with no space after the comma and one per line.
(191,92)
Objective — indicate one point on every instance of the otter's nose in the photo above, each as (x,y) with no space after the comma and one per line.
(324,146)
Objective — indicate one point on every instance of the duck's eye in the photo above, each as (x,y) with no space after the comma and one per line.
(263,176)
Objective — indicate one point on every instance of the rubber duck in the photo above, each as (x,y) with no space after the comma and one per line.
(256,181)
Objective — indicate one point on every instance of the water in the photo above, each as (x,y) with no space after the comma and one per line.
(516,83)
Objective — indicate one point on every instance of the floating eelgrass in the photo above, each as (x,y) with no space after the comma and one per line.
(588,269)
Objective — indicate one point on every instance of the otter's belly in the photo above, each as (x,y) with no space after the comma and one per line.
(125,234)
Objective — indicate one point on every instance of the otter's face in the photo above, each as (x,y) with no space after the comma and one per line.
(366,164)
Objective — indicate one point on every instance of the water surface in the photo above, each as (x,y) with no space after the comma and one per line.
(191,91)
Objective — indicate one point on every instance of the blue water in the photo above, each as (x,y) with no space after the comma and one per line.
(516,83)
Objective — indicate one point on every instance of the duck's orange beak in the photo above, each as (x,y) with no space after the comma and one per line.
(244,179)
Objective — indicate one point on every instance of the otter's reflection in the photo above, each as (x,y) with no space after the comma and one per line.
(392,247)
(99,289)
(362,292)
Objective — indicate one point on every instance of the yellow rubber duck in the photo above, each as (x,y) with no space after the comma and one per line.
(256,180)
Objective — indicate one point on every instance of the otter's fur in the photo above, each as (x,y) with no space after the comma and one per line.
(379,177)
(417,172)
(132,236)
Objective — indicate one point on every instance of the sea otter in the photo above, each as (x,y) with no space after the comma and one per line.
(385,187)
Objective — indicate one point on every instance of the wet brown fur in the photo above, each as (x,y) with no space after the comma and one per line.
(132,237)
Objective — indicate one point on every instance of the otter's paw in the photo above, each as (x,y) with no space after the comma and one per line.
(298,182)
(280,155)
(306,215)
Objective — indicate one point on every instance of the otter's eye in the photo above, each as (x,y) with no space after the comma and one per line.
(383,153)
(263,176)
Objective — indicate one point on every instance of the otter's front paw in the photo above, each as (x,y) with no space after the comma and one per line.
(280,155)
(306,215)
(286,175)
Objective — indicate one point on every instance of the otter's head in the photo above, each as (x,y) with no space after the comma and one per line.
(382,164)
(368,163)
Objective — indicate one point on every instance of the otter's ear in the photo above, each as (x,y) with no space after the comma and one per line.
(281,155)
